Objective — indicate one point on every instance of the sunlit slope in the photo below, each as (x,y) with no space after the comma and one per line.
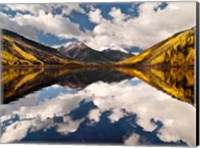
(18,50)
(177,50)
(177,82)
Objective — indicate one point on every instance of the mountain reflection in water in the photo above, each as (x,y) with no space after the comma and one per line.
(177,82)
(117,106)
(24,81)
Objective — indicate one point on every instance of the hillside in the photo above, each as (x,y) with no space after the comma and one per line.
(83,53)
(18,50)
(177,50)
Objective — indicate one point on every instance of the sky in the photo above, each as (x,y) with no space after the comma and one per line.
(131,26)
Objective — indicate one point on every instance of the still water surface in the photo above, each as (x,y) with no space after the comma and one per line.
(122,106)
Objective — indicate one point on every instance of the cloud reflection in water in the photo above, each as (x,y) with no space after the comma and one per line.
(142,108)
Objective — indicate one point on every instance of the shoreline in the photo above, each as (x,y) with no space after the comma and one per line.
(85,66)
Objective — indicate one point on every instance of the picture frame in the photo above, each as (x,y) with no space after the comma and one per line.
(108,73)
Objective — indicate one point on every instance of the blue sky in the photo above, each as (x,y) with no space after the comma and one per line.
(130,26)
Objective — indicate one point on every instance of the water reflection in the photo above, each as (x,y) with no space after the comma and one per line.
(26,80)
(177,82)
(90,107)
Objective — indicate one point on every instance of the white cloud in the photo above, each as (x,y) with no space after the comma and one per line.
(31,8)
(64,45)
(41,18)
(133,139)
(69,8)
(94,115)
(18,130)
(10,24)
(112,48)
(95,16)
(71,127)
(123,31)
(152,104)
(49,23)
(116,115)
(117,15)
(147,103)
(28,101)
(48,8)
(147,29)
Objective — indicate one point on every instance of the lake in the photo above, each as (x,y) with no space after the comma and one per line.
(99,106)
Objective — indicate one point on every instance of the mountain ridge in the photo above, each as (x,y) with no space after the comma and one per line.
(19,50)
(176,50)
(82,52)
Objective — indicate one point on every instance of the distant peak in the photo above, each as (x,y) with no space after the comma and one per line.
(79,45)
(72,45)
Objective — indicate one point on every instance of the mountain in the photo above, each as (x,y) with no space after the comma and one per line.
(83,53)
(177,50)
(115,55)
(18,50)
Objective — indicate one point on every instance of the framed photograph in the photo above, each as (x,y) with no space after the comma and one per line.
(101,73)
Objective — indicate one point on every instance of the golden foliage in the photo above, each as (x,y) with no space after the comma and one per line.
(17,53)
(177,50)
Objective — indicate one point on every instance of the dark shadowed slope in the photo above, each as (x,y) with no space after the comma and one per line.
(115,55)
(83,53)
